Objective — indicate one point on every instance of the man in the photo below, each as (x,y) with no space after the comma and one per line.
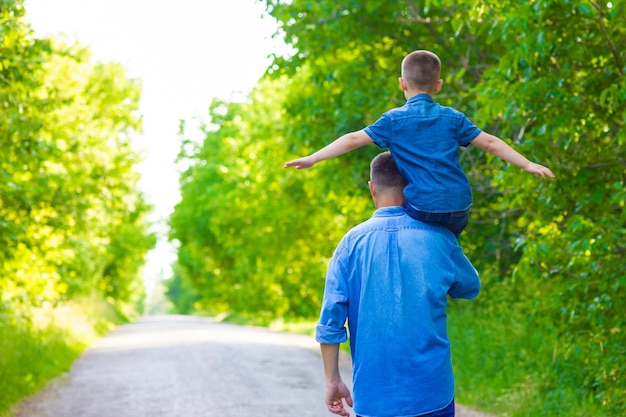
(390,278)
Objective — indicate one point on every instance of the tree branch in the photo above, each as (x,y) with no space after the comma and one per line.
(614,50)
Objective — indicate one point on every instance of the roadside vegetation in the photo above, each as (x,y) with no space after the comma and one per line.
(73,233)
(38,348)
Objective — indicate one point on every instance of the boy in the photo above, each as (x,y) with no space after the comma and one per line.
(424,139)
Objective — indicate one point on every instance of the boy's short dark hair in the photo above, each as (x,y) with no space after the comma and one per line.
(384,172)
(421,70)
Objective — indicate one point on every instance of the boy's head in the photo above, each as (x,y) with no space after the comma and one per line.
(421,71)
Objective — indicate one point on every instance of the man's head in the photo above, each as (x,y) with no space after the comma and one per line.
(386,182)
(421,71)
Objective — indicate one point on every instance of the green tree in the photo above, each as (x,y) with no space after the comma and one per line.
(71,217)
(73,232)
(244,239)
(547,76)
(567,75)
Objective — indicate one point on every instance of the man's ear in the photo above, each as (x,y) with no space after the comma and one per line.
(403,84)
(372,188)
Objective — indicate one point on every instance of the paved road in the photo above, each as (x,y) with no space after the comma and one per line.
(179,366)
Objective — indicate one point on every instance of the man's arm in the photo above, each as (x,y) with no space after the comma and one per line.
(341,145)
(499,148)
(467,282)
(336,389)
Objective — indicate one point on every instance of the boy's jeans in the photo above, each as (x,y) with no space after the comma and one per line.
(456,222)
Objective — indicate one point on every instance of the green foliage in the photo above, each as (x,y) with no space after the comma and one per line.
(547,76)
(529,379)
(570,277)
(71,218)
(72,223)
(35,349)
(181,292)
(246,243)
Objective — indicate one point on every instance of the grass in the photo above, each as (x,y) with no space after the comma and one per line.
(510,370)
(36,348)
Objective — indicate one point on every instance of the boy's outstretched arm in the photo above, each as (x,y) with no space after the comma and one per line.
(341,145)
(499,148)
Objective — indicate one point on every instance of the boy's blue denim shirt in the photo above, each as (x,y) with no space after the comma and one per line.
(390,277)
(424,139)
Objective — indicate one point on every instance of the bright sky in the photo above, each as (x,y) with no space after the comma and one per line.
(186,52)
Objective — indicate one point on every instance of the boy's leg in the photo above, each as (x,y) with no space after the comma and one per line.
(456,221)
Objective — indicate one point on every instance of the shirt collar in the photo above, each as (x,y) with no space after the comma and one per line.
(420,97)
(389,211)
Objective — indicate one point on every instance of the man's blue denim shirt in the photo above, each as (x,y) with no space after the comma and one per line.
(424,139)
(390,277)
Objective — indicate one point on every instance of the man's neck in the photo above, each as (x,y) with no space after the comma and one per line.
(388,202)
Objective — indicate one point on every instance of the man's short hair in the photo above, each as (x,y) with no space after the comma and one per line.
(384,172)
(421,70)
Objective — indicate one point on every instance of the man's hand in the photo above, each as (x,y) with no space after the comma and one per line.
(537,169)
(301,163)
(336,392)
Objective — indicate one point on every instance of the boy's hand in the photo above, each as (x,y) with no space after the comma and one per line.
(301,163)
(539,170)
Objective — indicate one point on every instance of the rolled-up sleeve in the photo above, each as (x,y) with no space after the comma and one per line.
(331,328)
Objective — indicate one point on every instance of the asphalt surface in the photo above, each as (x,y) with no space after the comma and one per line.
(180,366)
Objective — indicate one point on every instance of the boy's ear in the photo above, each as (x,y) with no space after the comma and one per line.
(438,86)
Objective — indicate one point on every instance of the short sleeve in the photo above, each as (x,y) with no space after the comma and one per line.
(381,131)
(467,131)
